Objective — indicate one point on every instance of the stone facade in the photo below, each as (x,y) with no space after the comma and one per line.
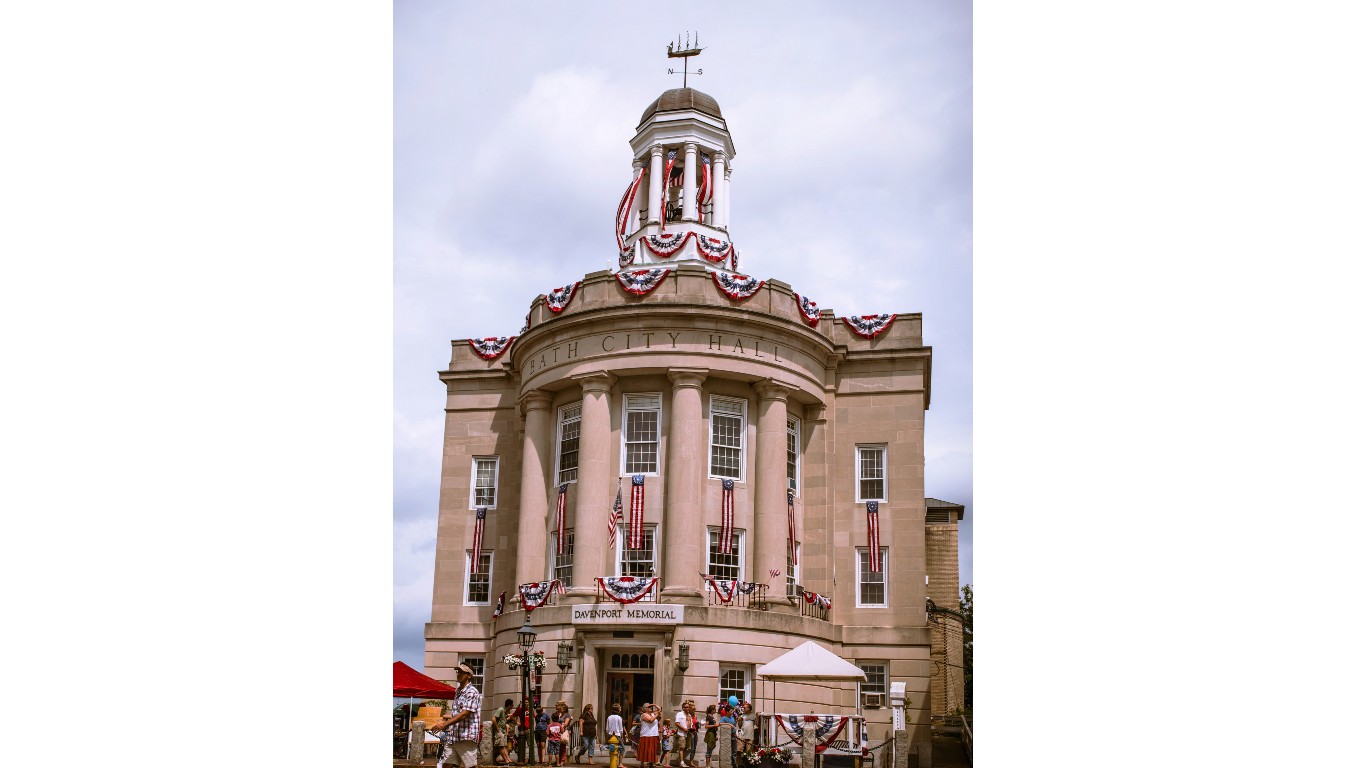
(679,353)
(946,635)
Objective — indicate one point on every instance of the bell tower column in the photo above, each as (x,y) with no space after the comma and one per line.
(690,181)
(725,201)
(656,182)
(633,218)
(718,192)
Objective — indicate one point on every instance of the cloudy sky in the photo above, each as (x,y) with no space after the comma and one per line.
(852,182)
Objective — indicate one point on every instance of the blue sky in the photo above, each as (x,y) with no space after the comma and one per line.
(852,182)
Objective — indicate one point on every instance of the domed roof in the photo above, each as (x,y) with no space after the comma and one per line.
(676,99)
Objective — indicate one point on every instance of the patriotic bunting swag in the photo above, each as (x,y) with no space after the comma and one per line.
(737,287)
(492,347)
(749,587)
(641,281)
(559,519)
(478,545)
(869,326)
(725,589)
(810,312)
(714,250)
(536,593)
(627,589)
(628,200)
(791,531)
(666,245)
(874,540)
(827,727)
(614,518)
(668,174)
(727,514)
(635,539)
(558,298)
(498,607)
(814,598)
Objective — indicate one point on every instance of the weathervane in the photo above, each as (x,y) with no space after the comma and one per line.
(683,51)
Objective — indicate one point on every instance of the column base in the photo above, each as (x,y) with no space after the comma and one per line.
(684,595)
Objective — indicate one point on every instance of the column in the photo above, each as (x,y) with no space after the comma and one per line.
(770,483)
(725,198)
(531,518)
(596,490)
(633,218)
(656,182)
(718,183)
(683,524)
(690,182)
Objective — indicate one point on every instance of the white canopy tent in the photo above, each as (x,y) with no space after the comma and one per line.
(809,663)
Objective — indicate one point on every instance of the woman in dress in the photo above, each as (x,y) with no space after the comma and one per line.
(648,751)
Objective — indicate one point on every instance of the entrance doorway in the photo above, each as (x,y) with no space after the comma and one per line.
(630,683)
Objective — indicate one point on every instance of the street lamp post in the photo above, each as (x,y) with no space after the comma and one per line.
(526,638)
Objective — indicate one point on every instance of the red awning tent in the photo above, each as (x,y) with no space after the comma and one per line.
(413,684)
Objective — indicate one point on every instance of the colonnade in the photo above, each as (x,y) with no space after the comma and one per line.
(720,179)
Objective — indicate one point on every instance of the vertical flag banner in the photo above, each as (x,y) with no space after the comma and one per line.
(636,539)
(478,546)
(559,519)
(727,514)
(498,607)
(614,519)
(874,540)
(668,182)
(791,530)
(704,193)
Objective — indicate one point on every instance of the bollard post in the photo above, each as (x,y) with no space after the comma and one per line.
(901,749)
(486,743)
(725,745)
(808,745)
(417,736)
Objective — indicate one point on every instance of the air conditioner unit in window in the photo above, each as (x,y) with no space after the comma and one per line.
(872,701)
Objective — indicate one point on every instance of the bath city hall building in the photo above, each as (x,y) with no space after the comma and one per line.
(684,471)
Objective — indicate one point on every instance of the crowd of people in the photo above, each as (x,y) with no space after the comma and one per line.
(556,737)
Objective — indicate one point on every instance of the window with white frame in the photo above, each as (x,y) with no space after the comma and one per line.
(567,460)
(484,482)
(794,574)
(475,663)
(721,565)
(872,692)
(794,454)
(872,472)
(564,564)
(640,434)
(636,562)
(872,587)
(727,437)
(734,681)
(477,584)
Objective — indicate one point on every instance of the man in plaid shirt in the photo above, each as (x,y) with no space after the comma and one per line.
(462,726)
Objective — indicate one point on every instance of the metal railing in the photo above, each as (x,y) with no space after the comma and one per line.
(813,610)
(747,594)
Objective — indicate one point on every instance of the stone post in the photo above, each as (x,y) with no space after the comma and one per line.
(486,743)
(690,181)
(684,523)
(725,745)
(595,492)
(808,745)
(770,481)
(901,749)
(531,520)
(656,182)
(417,736)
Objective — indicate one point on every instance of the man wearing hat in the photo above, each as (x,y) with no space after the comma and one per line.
(462,726)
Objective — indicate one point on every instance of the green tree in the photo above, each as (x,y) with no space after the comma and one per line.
(965,605)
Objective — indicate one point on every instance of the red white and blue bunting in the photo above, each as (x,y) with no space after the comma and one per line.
(714,250)
(665,245)
(727,515)
(641,282)
(814,598)
(869,326)
(627,589)
(536,593)
(491,347)
(478,546)
(628,200)
(558,298)
(498,606)
(627,256)
(809,310)
(704,189)
(791,531)
(725,589)
(737,287)
(559,519)
(635,535)
(874,539)
(827,727)
(668,174)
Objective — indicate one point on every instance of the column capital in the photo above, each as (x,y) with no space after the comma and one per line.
(638,164)
(816,413)
(657,149)
(688,378)
(689,146)
(772,389)
(535,400)
(595,381)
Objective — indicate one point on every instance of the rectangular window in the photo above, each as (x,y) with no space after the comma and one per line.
(725,566)
(475,663)
(872,473)
(564,564)
(484,488)
(636,562)
(794,575)
(794,441)
(873,691)
(640,435)
(872,587)
(727,437)
(734,682)
(477,585)
(571,416)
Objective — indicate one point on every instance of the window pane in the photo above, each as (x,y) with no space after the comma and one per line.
(792,572)
(871,585)
(485,477)
(642,442)
(477,584)
(726,433)
(638,562)
(475,663)
(569,450)
(564,564)
(792,428)
(870,473)
(733,683)
(720,565)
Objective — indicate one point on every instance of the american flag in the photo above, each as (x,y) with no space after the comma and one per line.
(704,189)
(727,514)
(478,538)
(668,174)
(791,530)
(559,519)
(874,540)
(636,538)
(614,518)
(773,573)
(498,607)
